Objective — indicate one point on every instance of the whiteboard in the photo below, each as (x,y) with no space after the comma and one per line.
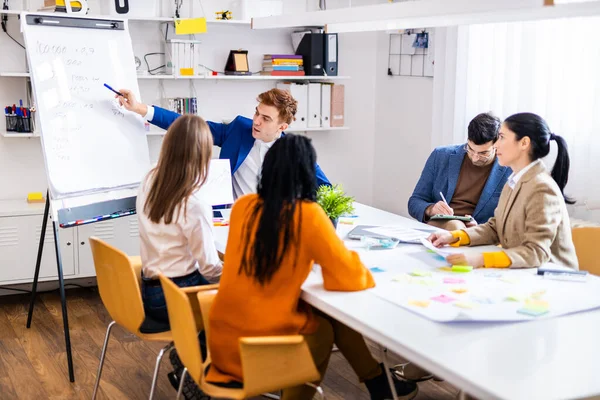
(90,143)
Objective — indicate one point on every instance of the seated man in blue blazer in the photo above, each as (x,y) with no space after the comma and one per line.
(467,175)
(244,141)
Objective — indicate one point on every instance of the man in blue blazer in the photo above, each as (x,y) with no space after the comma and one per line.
(244,142)
(467,175)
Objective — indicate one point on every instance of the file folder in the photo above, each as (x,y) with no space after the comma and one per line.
(300,93)
(314,105)
(331,54)
(326,105)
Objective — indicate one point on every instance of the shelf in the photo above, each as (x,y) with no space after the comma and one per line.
(17,208)
(337,128)
(154,131)
(140,19)
(19,134)
(247,77)
(15,74)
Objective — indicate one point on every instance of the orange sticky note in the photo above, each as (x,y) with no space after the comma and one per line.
(459,290)
(419,303)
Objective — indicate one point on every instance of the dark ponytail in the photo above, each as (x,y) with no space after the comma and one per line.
(536,129)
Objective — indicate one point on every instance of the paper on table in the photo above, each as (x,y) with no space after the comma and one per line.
(403,234)
(444,251)
(218,189)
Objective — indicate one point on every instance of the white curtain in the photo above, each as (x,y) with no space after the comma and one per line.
(551,68)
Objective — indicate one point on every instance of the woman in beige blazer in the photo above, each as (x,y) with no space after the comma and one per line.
(531,221)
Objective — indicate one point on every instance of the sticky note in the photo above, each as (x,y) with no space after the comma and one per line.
(454,280)
(535,303)
(420,273)
(190,26)
(515,297)
(35,197)
(492,275)
(460,290)
(482,300)
(376,269)
(426,282)
(419,303)
(538,294)
(402,278)
(509,280)
(445,269)
(462,268)
(534,312)
(442,298)
(465,304)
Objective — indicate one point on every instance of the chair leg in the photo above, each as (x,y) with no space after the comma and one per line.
(461,395)
(106,337)
(386,367)
(181,383)
(161,353)
(318,388)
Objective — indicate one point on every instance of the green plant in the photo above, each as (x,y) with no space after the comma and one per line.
(334,201)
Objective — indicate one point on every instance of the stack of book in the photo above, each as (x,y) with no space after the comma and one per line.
(180,105)
(282,65)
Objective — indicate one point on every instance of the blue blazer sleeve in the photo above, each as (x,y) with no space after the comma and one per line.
(422,195)
(321,178)
(164,118)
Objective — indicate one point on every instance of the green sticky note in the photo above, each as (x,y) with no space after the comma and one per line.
(534,312)
(420,273)
(462,268)
(515,297)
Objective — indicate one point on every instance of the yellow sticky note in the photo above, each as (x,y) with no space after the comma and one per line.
(535,303)
(419,303)
(465,304)
(445,269)
(538,294)
(35,197)
(420,273)
(190,26)
(459,290)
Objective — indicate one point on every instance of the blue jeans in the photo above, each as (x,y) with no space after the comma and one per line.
(153,296)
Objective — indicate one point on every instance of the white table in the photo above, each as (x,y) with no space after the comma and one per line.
(546,359)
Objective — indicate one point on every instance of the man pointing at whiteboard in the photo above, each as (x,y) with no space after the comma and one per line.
(244,141)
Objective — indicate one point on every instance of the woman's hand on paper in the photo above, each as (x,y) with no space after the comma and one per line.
(474,260)
(439,239)
(130,103)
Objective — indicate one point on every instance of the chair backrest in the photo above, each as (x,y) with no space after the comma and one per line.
(183,327)
(206,299)
(586,239)
(118,285)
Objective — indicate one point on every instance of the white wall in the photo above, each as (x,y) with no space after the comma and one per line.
(403,134)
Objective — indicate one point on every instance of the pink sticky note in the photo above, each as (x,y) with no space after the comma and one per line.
(454,280)
(442,298)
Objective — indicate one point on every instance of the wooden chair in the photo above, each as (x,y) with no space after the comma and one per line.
(268,363)
(586,239)
(118,278)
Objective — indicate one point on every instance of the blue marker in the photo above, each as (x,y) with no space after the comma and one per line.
(109,88)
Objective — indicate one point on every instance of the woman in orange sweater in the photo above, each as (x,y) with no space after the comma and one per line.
(274,238)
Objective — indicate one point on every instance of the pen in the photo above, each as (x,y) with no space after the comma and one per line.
(443,198)
(109,88)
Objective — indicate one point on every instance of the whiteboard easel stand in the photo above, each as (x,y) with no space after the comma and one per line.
(61,284)
(63,216)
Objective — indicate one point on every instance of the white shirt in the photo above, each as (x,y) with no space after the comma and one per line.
(245,179)
(513,179)
(178,248)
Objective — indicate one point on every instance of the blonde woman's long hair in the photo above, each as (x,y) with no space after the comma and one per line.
(182,168)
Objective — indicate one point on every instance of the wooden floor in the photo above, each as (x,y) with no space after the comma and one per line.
(33,361)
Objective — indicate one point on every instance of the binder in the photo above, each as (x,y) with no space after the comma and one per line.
(331,54)
(337,105)
(300,94)
(311,48)
(326,105)
(314,105)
